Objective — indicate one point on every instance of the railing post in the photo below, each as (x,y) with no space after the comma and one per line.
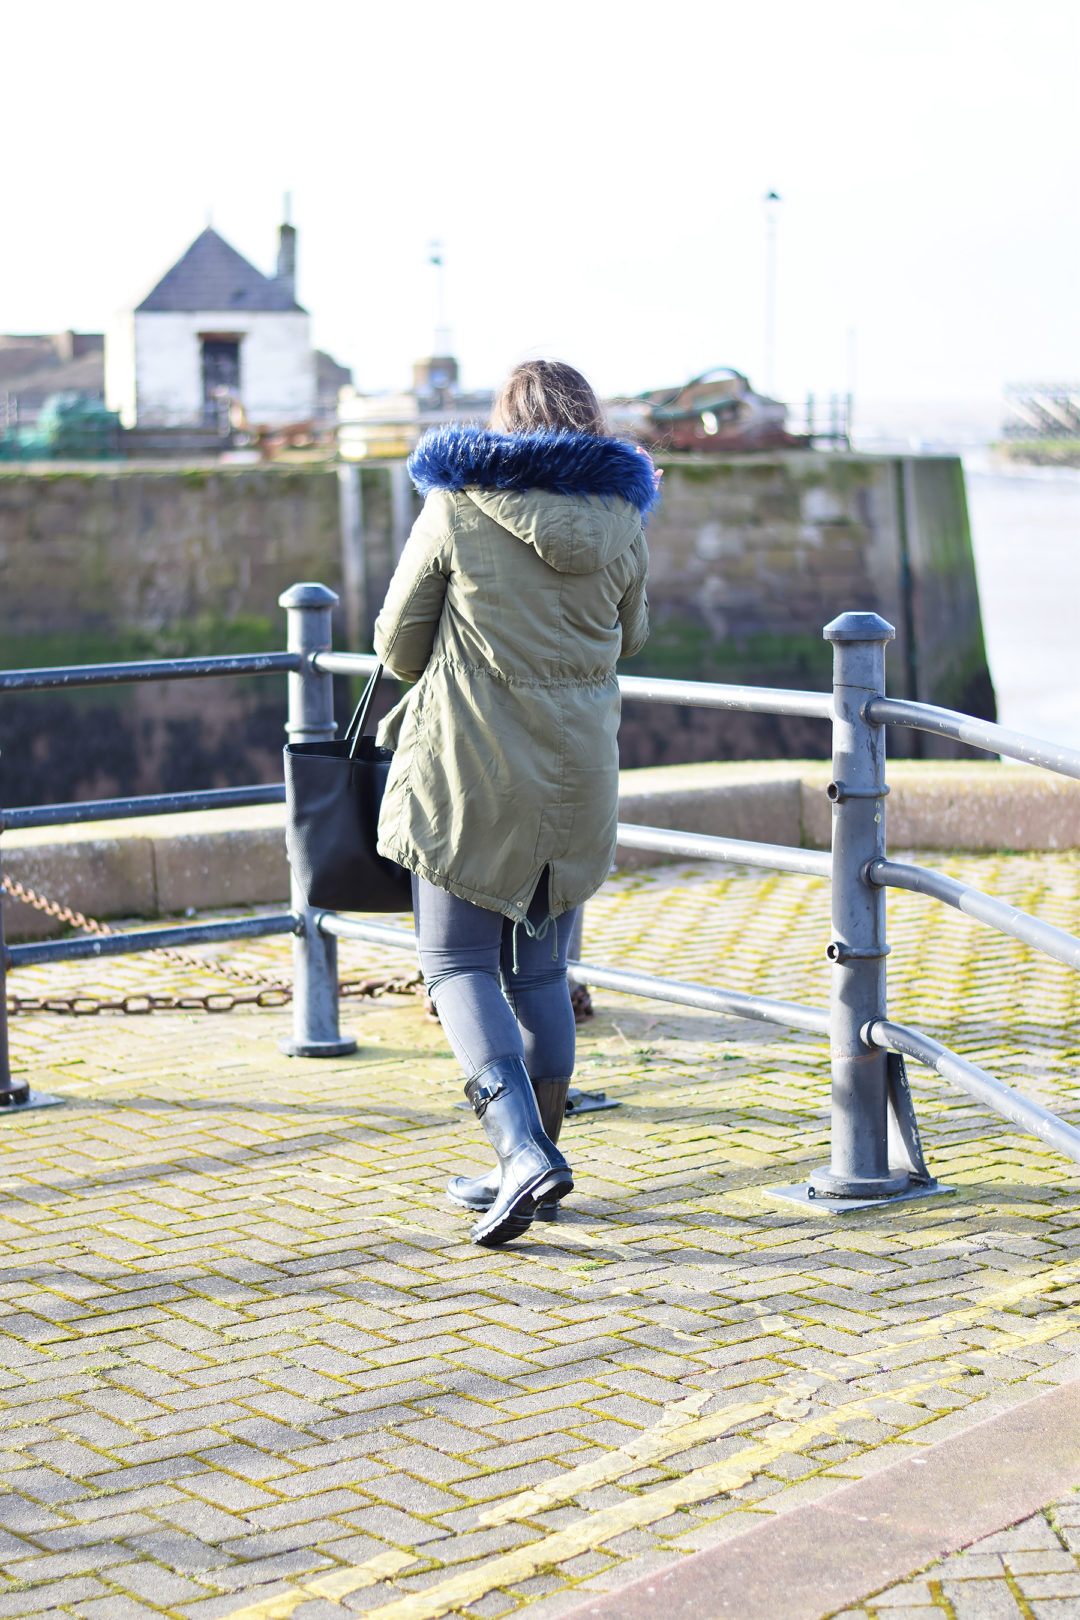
(311,719)
(860,1087)
(11,1094)
(16,1096)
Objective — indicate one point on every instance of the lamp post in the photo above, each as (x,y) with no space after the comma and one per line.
(436,259)
(772,210)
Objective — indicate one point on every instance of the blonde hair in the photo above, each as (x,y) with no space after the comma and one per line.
(547,394)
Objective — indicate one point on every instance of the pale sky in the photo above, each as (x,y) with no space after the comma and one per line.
(595,171)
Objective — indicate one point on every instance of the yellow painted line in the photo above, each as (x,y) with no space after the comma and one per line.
(592,1530)
(679,1428)
(337,1584)
(1059,1275)
(673,1433)
(598,1526)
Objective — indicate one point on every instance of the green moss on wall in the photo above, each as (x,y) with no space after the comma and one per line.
(684,648)
(699,472)
(206,636)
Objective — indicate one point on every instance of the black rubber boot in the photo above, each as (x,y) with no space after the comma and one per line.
(531,1167)
(480,1192)
(475,1193)
(551,1098)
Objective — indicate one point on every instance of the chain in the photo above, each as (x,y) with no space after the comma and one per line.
(211,1001)
(271,992)
(91,925)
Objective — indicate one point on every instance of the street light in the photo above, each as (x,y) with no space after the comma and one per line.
(437,261)
(772,208)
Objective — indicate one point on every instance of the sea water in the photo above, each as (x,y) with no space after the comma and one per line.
(1025,526)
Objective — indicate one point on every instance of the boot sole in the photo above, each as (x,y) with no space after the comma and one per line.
(549,1188)
(465,1203)
(547,1210)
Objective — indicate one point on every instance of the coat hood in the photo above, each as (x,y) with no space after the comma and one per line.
(576,498)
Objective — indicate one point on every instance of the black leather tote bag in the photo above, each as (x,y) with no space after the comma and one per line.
(333,791)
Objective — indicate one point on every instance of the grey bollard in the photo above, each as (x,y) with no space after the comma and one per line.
(13,1093)
(860,1091)
(16,1096)
(311,719)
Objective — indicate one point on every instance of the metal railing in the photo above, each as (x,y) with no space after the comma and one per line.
(876,1155)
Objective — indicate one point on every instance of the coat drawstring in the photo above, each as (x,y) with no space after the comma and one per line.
(535,933)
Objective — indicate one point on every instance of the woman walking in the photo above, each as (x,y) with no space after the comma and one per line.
(521,584)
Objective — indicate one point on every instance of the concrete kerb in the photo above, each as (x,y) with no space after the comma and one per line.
(163,865)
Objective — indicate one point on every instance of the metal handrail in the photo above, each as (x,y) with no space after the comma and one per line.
(343,663)
(735,1003)
(716,695)
(153,669)
(983,734)
(151,939)
(1032,1116)
(688,694)
(707,847)
(710,998)
(149,804)
(1055,942)
(865,1088)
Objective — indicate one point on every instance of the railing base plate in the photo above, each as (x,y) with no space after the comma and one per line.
(588,1102)
(814,1204)
(316,1049)
(35,1099)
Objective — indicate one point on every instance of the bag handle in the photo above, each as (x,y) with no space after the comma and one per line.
(357,725)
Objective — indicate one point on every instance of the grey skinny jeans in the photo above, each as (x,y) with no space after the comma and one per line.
(465,951)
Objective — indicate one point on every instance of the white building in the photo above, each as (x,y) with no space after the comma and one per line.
(214,330)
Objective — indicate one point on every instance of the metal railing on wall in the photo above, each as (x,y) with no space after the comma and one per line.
(876,1154)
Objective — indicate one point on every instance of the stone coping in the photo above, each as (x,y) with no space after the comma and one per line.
(939,804)
(164,865)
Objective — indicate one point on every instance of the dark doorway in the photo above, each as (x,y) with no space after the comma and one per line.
(220,378)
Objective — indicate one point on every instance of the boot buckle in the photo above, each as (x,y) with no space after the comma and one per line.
(482,1092)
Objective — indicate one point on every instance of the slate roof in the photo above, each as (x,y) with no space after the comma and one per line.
(213,276)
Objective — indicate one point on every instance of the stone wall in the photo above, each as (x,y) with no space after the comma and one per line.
(102,564)
(750,557)
(129,557)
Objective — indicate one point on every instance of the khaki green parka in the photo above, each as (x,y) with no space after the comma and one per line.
(508,609)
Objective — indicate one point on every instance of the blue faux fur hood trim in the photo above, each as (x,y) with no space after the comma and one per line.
(559,461)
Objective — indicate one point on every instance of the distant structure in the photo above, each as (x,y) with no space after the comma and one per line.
(35,365)
(435,382)
(386,426)
(381,426)
(713,414)
(215,334)
(1043,411)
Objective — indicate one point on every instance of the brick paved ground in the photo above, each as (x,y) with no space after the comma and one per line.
(1028,1572)
(252,1365)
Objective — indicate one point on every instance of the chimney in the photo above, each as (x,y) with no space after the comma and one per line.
(286,257)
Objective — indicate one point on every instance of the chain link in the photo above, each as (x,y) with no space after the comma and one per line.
(91,925)
(271,992)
